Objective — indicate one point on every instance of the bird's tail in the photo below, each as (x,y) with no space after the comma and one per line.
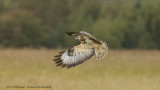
(101,51)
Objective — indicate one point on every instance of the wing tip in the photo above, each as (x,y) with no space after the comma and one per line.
(71,33)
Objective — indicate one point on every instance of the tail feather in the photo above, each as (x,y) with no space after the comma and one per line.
(101,51)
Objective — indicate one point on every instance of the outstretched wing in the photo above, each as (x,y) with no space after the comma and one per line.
(84,34)
(74,56)
(90,37)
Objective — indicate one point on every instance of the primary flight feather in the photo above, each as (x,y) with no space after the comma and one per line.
(89,47)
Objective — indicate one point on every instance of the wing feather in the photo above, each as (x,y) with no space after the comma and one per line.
(74,56)
(90,37)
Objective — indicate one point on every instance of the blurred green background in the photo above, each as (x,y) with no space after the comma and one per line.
(123,24)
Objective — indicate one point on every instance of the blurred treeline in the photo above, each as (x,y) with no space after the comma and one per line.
(41,23)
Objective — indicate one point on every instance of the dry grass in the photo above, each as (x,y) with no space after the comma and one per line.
(120,70)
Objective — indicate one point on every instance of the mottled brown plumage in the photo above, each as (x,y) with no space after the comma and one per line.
(89,47)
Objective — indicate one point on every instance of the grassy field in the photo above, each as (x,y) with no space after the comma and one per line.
(119,70)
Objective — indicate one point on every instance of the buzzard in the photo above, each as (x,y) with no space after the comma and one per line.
(89,47)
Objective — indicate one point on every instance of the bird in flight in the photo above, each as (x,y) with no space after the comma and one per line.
(89,46)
